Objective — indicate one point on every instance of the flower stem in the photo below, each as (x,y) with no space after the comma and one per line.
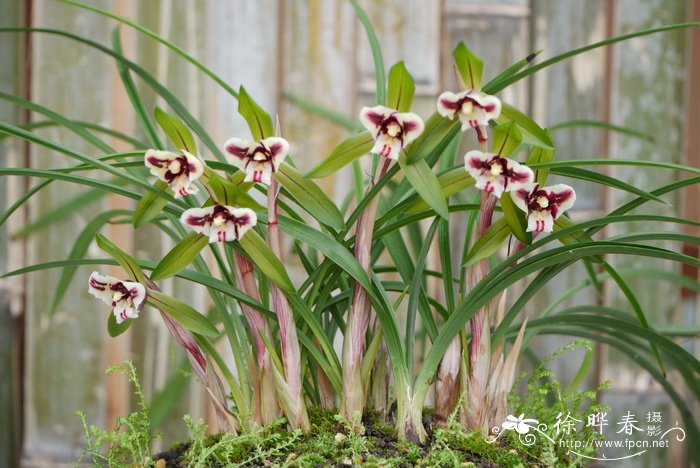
(291,356)
(358,318)
(265,408)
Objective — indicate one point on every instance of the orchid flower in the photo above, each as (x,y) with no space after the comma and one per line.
(178,170)
(220,223)
(258,160)
(544,204)
(392,131)
(126,297)
(495,174)
(521,425)
(473,108)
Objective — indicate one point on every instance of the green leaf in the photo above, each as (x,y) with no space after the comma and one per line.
(401,88)
(506,138)
(576,237)
(180,256)
(376,51)
(330,115)
(630,132)
(309,196)
(264,258)
(469,66)
(182,313)
(132,92)
(325,244)
(599,178)
(350,149)
(540,155)
(416,283)
(512,70)
(259,121)
(426,184)
(451,181)
(438,132)
(150,205)
(490,242)
(177,132)
(115,329)
(125,260)
(496,87)
(532,133)
(158,38)
(231,193)
(60,212)
(515,218)
(80,247)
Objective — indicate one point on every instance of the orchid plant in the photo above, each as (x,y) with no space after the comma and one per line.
(281,329)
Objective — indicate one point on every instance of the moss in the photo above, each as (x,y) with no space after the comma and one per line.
(332,442)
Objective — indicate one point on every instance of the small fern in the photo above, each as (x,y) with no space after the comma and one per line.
(130,441)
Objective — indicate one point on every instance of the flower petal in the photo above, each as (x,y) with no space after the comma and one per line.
(448,104)
(238,152)
(521,197)
(518,175)
(372,118)
(242,220)
(100,287)
(198,219)
(158,161)
(540,221)
(564,197)
(490,105)
(137,291)
(279,149)
(259,171)
(196,165)
(412,126)
(387,147)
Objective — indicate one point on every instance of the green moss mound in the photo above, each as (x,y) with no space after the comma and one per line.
(334,443)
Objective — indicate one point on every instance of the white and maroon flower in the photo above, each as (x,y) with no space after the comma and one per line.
(220,223)
(473,108)
(178,170)
(392,131)
(258,160)
(544,204)
(495,174)
(126,297)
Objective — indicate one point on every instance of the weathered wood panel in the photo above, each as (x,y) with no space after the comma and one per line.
(64,354)
(10,334)
(648,71)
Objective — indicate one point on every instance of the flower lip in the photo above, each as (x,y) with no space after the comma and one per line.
(127,298)
(473,108)
(496,174)
(179,171)
(544,204)
(391,130)
(220,223)
(258,160)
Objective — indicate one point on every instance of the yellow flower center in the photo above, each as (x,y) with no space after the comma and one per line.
(393,129)
(219,221)
(543,201)
(116,297)
(175,166)
(496,169)
(467,107)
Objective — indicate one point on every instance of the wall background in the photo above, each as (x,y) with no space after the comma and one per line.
(313,49)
